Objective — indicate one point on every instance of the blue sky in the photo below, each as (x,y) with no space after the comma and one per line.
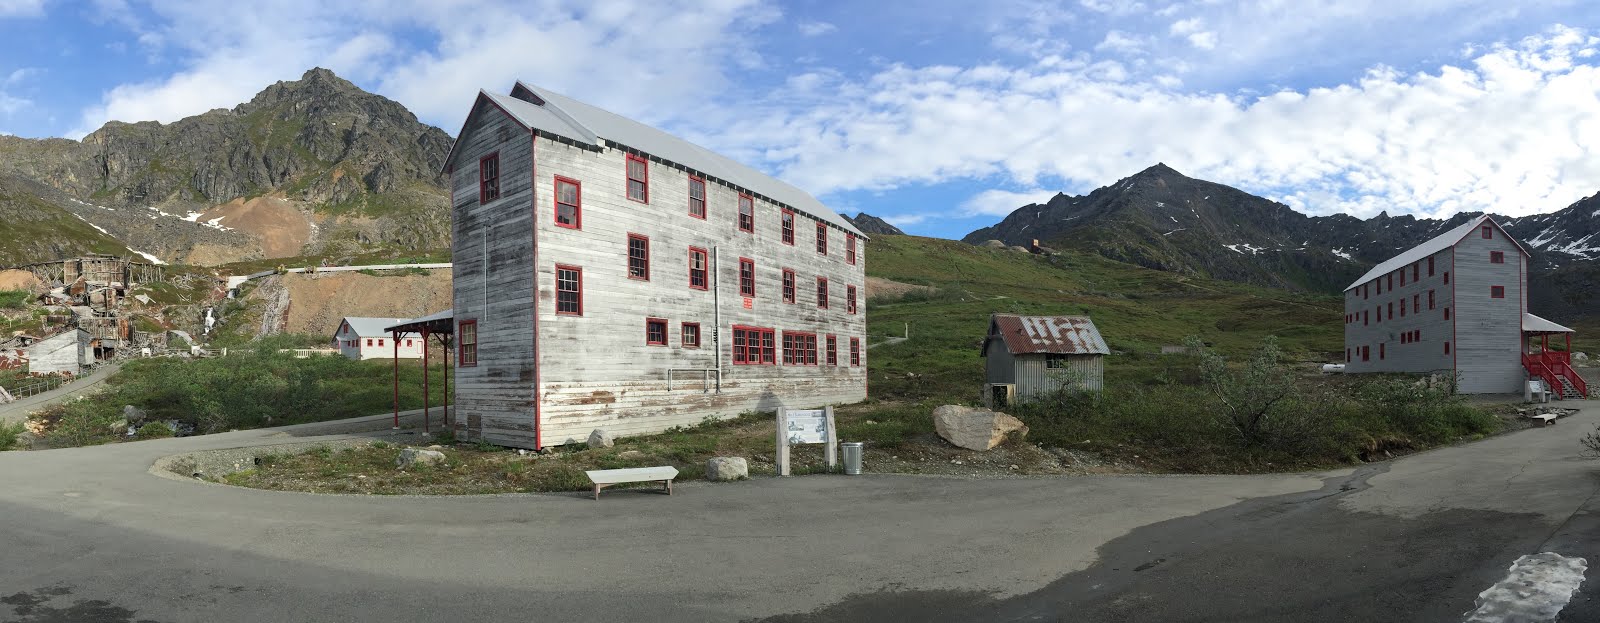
(941,116)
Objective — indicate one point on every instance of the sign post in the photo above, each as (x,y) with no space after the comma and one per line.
(811,426)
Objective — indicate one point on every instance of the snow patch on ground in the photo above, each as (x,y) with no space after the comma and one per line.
(97,227)
(1535,590)
(1175,231)
(1343,253)
(1243,248)
(153,259)
(1543,238)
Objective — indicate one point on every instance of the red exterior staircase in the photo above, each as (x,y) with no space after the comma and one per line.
(1555,369)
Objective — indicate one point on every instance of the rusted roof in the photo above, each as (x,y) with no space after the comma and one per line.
(1070,335)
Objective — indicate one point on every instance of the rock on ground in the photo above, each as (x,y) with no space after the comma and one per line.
(134,415)
(412,456)
(725,468)
(975,429)
(600,439)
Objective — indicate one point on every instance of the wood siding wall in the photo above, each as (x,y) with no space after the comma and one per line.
(998,363)
(66,352)
(1034,379)
(1489,330)
(493,255)
(1427,354)
(596,369)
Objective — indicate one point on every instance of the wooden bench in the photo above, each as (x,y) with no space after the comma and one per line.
(603,478)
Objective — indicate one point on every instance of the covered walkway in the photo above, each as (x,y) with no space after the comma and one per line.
(441,325)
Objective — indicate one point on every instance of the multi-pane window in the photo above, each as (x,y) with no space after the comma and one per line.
(822,238)
(697,197)
(467,343)
(822,292)
(569,201)
(1055,361)
(489,178)
(747,277)
(850,299)
(638,179)
(788,286)
(569,290)
(698,272)
(1415,271)
(855,351)
(1447,277)
(753,346)
(655,331)
(1430,299)
(1497,292)
(1430,267)
(799,349)
(689,337)
(638,257)
(1497,257)
(850,249)
(787,229)
(833,350)
(747,213)
(1416,303)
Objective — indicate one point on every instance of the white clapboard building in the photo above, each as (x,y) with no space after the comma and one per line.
(610,275)
(365,338)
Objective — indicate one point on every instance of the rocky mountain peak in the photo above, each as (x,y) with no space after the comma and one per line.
(874,226)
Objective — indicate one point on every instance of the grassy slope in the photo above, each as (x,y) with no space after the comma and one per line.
(1137,311)
(36,230)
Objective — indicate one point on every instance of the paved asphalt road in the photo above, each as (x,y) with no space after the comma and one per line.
(90,535)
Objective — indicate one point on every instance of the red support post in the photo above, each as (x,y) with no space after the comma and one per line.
(424,381)
(395,335)
(444,342)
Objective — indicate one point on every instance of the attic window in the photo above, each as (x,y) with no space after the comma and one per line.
(1488,232)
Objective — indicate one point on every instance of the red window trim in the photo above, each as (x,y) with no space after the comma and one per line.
(850,248)
(833,350)
(577,208)
(1382,351)
(693,179)
(1402,276)
(628,178)
(751,290)
(1497,292)
(749,227)
(579,270)
(1430,299)
(1497,257)
(683,335)
(786,226)
(1430,267)
(789,285)
(706,271)
(1488,232)
(794,351)
(850,299)
(740,358)
(484,192)
(822,238)
(659,321)
(855,352)
(369,341)
(822,293)
(1446,348)
(646,240)
(1416,303)
(1416,271)
(1447,313)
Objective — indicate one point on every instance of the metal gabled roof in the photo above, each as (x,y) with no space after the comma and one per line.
(569,118)
(1067,335)
(369,327)
(1535,324)
(1436,244)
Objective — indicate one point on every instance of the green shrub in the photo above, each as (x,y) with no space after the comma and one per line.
(10,436)
(153,430)
(14,299)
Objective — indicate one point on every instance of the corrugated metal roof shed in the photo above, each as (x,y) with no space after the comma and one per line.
(1068,335)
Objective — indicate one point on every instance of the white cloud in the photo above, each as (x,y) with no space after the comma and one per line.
(1002,202)
(21,8)
(653,60)
(1502,132)
(1120,42)
(813,29)
(906,220)
(1113,7)
(1204,40)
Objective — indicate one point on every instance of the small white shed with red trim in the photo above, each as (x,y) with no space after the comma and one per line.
(365,338)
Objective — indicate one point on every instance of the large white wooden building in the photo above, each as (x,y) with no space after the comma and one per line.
(1457,304)
(610,275)
(365,338)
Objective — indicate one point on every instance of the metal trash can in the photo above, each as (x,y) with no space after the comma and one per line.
(852,456)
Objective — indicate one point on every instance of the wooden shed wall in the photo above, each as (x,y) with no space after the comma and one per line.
(998,363)
(493,256)
(1035,379)
(66,352)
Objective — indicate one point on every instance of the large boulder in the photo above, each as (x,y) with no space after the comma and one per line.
(975,429)
(134,415)
(599,438)
(725,468)
(413,456)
